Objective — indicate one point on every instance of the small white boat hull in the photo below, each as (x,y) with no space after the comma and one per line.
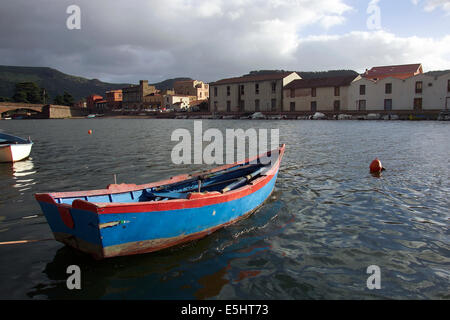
(15,152)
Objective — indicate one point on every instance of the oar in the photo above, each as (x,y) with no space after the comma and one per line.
(23,241)
(243,180)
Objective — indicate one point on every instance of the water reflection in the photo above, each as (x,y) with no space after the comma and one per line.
(23,168)
(327,220)
(23,172)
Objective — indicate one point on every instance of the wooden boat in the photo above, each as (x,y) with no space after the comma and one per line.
(130,219)
(13,148)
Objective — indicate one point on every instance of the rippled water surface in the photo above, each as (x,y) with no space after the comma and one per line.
(326,222)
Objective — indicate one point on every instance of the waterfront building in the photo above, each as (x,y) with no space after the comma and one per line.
(318,95)
(422,92)
(250,93)
(178,101)
(101,106)
(91,100)
(192,88)
(114,99)
(156,100)
(396,71)
(133,96)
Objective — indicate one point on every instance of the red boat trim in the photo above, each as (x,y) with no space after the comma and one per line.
(198,201)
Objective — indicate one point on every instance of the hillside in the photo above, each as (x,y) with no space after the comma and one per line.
(56,82)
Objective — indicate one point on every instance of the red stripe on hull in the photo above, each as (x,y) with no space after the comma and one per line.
(208,199)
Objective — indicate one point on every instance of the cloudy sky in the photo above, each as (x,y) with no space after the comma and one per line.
(128,40)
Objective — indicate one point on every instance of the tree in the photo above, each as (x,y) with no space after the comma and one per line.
(28,92)
(68,99)
(59,100)
(64,100)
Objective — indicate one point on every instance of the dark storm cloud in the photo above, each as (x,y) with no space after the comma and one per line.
(124,41)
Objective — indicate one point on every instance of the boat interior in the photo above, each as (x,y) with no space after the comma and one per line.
(9,139)
(221,181)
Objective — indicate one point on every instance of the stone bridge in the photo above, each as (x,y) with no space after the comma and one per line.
(40,110)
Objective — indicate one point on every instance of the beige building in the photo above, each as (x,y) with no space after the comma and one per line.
(133,97)
(178,101)
(192,88)
(317,95)
(250,93)
(423,92)
(156,100)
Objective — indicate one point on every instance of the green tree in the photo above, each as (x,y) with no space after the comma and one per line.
(59,100)
(68,99)
(64,100)
(28,92)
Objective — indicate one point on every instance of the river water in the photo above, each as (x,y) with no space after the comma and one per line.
(327,221)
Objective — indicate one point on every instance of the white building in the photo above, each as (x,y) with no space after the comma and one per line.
(423,92)
(177,101)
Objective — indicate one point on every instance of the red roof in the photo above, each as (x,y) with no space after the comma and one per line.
(320,82)
(254,78)
(391,70)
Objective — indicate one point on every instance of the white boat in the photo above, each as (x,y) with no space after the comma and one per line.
(319,116)
(13,148)
(258,115)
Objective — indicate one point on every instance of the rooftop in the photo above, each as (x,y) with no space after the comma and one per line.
(321,82)
(392,70)
(254,78)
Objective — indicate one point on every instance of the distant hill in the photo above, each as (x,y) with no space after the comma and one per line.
(168,84)
(56,82)
(437,73)
(311,74)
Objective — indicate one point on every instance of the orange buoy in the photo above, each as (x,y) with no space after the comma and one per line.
(90,131)
(376,166)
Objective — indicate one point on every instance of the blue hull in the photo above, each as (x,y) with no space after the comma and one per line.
(99,230)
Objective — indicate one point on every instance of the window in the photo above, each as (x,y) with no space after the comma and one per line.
(448,86)
(228,106)
(292,93)
(337,91)
(242,89)
(418,86)
(257,88)
(228,90)
(215,105)
(418,104)
(387,104)
(200,94)
(292,106)
(215,91)
(313,106)
(313,92)
(337,106)
(241,105)
(362,89)
(274,87)
(274,104)
(257,105)
(388,88)
(362,105)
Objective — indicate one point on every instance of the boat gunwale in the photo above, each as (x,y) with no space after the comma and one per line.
(199,200)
